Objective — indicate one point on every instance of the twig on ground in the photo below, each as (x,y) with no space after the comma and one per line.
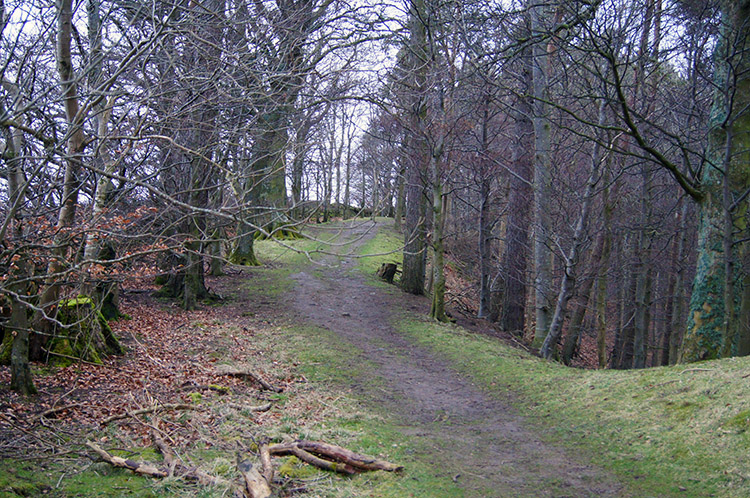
(235,372)
(152,409)
(52,411)
(137,467)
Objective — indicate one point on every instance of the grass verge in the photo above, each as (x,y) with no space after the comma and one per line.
(670,431)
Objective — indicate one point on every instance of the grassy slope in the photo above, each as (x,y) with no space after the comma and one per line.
(678,430)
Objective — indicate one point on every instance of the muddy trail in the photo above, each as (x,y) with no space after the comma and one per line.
(480,441)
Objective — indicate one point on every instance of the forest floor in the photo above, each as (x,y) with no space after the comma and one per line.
(360,365)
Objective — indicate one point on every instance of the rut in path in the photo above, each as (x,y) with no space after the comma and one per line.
(467,432)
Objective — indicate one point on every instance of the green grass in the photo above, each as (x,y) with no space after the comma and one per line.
(385,247)
(670,431)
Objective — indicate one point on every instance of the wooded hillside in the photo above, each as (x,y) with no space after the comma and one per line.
(585,163)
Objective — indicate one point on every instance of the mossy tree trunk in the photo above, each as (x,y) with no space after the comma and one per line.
(710,332)
(18,328)
(71,183)
(84,333)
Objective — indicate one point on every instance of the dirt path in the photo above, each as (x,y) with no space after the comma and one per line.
(464,430)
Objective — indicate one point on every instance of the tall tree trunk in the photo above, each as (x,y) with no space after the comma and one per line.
(437,309)
(17,327)
(707,331)
(542,174)
(573,337)
(485,223)
(400,197)
(603,271)
(512,309)
(641,320)
(673,302)
(413,273)
(485,248)
(71,183)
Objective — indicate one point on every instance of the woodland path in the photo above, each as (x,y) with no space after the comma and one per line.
(480,441)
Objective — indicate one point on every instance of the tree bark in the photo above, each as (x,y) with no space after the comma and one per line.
(413,272)
(707,331)
(512,310)
(542,176)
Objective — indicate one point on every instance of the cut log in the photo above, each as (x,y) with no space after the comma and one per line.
(387,272)
(343,455)
(137,467)
(255,483)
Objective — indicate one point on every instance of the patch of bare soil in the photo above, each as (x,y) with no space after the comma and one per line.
(478,440)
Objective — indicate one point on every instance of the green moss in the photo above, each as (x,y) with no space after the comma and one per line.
(6,347)
(296,469)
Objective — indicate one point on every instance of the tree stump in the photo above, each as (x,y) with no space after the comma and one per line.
(387,271)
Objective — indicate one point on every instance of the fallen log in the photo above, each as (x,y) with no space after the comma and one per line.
(339,454)
(305,456)
(155,408)
(255,483)
(53,411)
(137,467)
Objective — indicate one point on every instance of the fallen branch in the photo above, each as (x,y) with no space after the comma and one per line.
(293,449)
(137,467)
(265,462)
(206,387)
(257,486)
(234,372)
(697,370)
(156,408)
(349,457)
(173,464)
(52,411)
(77,359)
(260,408)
